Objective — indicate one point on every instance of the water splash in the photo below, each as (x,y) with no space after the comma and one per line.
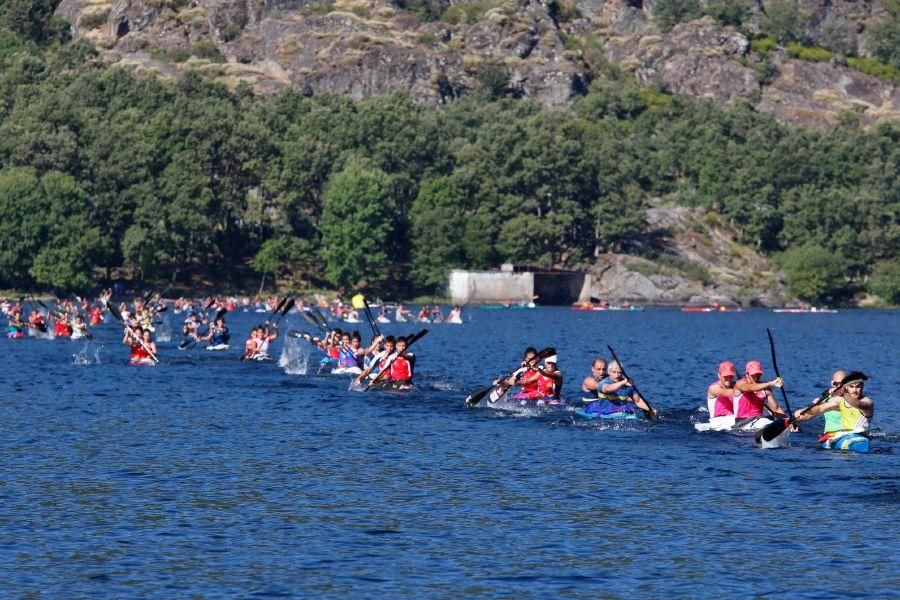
(164,331)
(294,357)
(85,357)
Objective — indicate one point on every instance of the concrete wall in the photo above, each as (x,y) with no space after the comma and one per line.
(487,287)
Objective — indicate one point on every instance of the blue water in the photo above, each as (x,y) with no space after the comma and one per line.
(210,476)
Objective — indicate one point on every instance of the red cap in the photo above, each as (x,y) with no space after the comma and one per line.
(725,369)
(754,368)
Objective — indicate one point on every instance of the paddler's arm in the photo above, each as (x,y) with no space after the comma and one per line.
(590,385)
(746,386)
(524,381)
(772,403)
(614,387)
(816,410)
(865,405)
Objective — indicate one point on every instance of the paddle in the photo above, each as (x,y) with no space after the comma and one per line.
(410,340)
(778,425)
(371,319)
(288,305)
(647,413)
(775,428)
(475,397)
(118,316)
(302,335)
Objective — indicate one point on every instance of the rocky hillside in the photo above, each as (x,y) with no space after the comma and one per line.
(550,51)
(696,260)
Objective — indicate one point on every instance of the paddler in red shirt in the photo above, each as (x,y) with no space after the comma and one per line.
(402,366)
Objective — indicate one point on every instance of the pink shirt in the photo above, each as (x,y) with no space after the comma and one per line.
(751,404)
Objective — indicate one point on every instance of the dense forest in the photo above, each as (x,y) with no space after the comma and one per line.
(102,171)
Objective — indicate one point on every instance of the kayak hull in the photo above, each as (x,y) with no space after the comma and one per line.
(745,428)
(218,347)
(616,416)
(852,442)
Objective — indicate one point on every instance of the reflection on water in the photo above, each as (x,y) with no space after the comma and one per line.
(212,476)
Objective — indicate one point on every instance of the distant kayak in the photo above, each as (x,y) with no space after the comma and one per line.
(814,310)
(218,347)
(346,371)
(709,309)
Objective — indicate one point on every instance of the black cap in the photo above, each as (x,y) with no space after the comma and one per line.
(854,376)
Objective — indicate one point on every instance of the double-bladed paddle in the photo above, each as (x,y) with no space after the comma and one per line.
(647,413)
(410,340)
(475,397)
(375,331)
(118,316)
(775,428)
(759,434)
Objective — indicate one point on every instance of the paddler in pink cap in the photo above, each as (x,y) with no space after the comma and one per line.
(755,394)
(720,395)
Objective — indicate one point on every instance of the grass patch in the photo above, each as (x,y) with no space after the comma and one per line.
(875,68)
(466,14)
(94,20)
(809,53)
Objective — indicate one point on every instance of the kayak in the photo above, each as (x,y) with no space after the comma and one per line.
(745,427)
(384,386)
(383,319)
(346,371)
(260,356)
(623,415)
(218,347)
(706,309)
(852,442)
(798,311)
(142,362)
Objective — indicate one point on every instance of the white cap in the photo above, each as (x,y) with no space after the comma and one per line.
(551,359)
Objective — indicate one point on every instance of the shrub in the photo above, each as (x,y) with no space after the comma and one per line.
(763,45)
(809,53)
(208,50)
(729,12)
(875,68)
(669,13)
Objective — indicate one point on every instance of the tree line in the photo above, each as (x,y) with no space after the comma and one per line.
(101,170)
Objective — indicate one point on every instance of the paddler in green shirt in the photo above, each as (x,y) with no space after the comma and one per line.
(833,418)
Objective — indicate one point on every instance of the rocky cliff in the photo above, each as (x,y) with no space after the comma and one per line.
(548,50)
(696,260)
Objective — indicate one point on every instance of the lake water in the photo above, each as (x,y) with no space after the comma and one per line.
(215,477)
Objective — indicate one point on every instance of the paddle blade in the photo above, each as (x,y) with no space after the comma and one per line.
(288,305)
(475,397)
(114,311)
(184,344)
(774,429)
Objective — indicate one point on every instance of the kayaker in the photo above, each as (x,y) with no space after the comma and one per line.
(380,359)
(350,353)
(402,315)
(251,346)
(218,334)
(79,328)
(852,406)
(720,395)
(525,376)
(16,327)
(402,366)
(141,344)
(62,328)
(590,385)
(618,395)
(756,395)
(36,320)
(832,417)
(455,315)
(540,381)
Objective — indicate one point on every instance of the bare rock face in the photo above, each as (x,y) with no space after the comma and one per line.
(818,94)
(368,47)
(699,59)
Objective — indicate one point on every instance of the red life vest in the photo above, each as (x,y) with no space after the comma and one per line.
(138,352)
(401,370)
(61,329)
(531,387)
(546,386)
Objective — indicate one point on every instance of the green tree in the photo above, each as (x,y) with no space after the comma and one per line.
(669,13)
(281,256)
(885,281)
(814,274)
(884,36)
(23,227)
(356,225)
(438,229)
(785,21)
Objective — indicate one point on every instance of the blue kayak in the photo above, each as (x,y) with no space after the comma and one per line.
(852,442)
(623,415)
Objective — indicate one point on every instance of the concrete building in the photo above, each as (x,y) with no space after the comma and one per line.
(514,284)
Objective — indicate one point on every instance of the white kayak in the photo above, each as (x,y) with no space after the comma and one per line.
(218,347)
(346,371)
(745,427)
